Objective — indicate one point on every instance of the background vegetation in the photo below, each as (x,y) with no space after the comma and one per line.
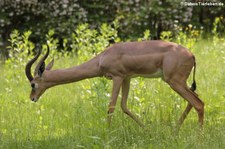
(134,17)
(74,115)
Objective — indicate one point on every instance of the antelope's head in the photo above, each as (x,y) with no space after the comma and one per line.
(37,81)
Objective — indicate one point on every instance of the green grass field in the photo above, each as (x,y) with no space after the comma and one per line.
(74,115)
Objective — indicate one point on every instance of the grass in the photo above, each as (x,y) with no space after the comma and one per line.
(74,115)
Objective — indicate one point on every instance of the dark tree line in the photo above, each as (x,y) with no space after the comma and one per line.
(135,16)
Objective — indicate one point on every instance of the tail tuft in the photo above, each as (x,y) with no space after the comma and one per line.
(193,86)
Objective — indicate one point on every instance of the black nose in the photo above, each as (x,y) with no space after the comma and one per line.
(33,99)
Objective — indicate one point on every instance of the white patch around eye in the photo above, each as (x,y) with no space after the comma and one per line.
(36,86)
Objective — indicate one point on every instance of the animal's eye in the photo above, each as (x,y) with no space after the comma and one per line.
(32,85)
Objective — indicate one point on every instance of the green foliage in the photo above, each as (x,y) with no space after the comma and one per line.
(134,17)
(185,36)
(74,115)
(218,26)
(53,44)
(147,35)
(166,35)
(20,47)
(86,41)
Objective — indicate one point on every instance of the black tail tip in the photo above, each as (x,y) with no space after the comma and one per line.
(193,86)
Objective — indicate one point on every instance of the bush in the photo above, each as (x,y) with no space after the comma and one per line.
(134,16)
(86,42)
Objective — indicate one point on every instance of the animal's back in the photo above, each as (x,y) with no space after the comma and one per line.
(141,47)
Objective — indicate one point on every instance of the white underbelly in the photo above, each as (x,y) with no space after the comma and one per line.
(156,74)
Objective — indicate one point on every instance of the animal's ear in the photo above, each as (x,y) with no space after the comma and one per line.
(50,65)
(41,69)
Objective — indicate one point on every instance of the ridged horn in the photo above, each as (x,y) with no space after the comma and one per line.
(41,62)
(29,64)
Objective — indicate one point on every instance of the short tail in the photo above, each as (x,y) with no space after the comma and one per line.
(194,86)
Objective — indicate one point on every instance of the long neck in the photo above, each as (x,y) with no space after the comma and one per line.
(86,70)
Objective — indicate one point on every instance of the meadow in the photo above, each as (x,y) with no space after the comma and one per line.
(74,115)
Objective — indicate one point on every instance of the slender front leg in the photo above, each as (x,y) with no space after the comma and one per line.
(125,91)
(117,81)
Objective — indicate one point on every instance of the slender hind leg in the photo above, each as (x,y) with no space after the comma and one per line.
(184,114)
(176,74)
(187,109)
(193,100)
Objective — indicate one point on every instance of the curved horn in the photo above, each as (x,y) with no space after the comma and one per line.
(41,62)
(29,64)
